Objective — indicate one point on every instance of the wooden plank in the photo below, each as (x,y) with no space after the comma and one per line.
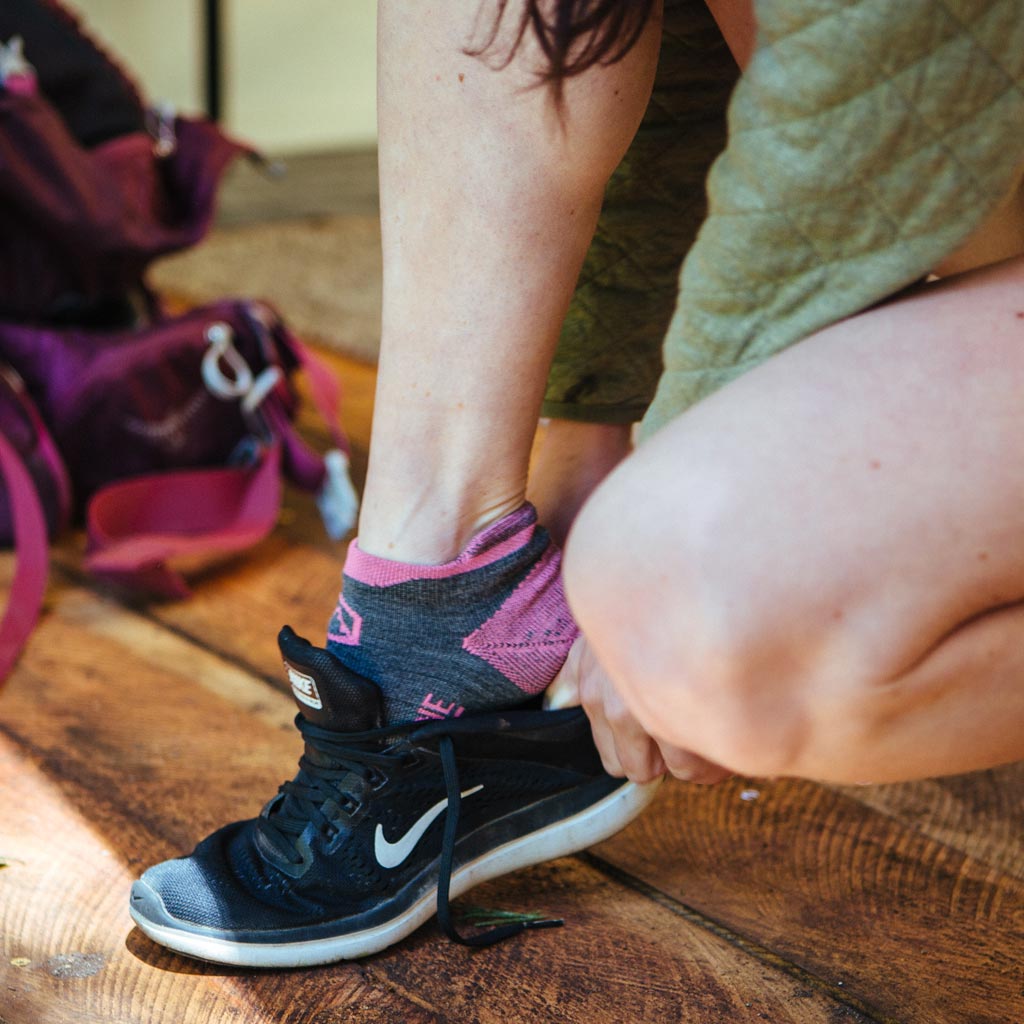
(122,743)
(112,742)
(912,928)
(979,814)
(620,958)
(68,953)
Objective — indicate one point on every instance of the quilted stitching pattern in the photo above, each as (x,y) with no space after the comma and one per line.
(868,139)
(609,357)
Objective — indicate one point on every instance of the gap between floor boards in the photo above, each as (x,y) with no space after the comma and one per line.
(747,946)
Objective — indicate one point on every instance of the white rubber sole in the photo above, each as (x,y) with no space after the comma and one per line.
(591,826)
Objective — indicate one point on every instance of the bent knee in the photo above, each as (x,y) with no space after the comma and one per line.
(704,657)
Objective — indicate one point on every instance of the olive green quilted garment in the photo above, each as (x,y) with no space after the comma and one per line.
(867,140)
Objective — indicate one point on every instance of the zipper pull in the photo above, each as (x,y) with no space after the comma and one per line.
(160,125)
(337,499)
(221,340)
(16,74)
(273,169)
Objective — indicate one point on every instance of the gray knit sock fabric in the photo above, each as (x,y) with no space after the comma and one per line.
(486,631)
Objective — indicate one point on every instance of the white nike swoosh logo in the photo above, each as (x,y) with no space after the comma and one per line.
(390,855)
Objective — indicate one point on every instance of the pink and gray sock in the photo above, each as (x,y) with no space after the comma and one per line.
(485,631)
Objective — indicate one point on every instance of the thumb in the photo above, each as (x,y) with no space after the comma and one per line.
(564,691)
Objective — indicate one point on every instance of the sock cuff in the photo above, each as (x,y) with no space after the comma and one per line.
(502,538)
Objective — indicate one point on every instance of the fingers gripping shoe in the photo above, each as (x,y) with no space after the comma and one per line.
(381,826)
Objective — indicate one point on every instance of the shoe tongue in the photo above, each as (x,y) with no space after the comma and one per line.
(327,693)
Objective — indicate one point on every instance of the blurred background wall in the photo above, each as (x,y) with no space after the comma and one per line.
(296,77)
(297,80)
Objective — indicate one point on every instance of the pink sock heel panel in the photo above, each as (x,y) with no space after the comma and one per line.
(528,638)
(496,541)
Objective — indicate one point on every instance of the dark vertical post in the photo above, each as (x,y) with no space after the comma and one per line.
(214,59)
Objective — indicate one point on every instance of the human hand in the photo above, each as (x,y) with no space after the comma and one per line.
(626,748)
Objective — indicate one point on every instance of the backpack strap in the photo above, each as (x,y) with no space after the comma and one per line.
(324,389)
(26,596)
(137,527)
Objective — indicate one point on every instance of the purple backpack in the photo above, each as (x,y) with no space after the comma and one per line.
(171,443)
(168,435)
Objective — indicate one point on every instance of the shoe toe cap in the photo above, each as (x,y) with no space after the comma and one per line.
(177,890)
(145,903)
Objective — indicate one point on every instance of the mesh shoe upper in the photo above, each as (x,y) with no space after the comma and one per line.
(357,835)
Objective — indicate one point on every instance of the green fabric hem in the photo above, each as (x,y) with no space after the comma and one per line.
(844,178)
(608,415)
(679,390)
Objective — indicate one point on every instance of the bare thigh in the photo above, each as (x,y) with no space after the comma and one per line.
(830,518)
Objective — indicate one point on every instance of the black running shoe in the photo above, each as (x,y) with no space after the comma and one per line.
(382,826)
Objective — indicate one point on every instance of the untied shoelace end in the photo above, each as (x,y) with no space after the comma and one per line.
(500,932)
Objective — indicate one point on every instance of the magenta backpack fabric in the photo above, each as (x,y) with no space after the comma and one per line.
(79,226)
(167,436)
(29,583)
(205,390)
(34,501)
(29,441)
(175,438)
(90,194)
(125,402)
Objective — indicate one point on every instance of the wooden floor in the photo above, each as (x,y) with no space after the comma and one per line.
(295,187)
(126,733)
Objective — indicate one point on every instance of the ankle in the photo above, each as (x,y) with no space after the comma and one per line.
(487,629)
(428,533)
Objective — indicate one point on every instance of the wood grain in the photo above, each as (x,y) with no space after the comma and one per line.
(130,729)
(979,814)
(121,744)
(894,917)
(69,953)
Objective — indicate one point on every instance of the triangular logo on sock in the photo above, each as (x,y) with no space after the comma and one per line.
(304,687)
(346,624)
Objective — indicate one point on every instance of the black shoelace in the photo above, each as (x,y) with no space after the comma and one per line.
(319,786)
